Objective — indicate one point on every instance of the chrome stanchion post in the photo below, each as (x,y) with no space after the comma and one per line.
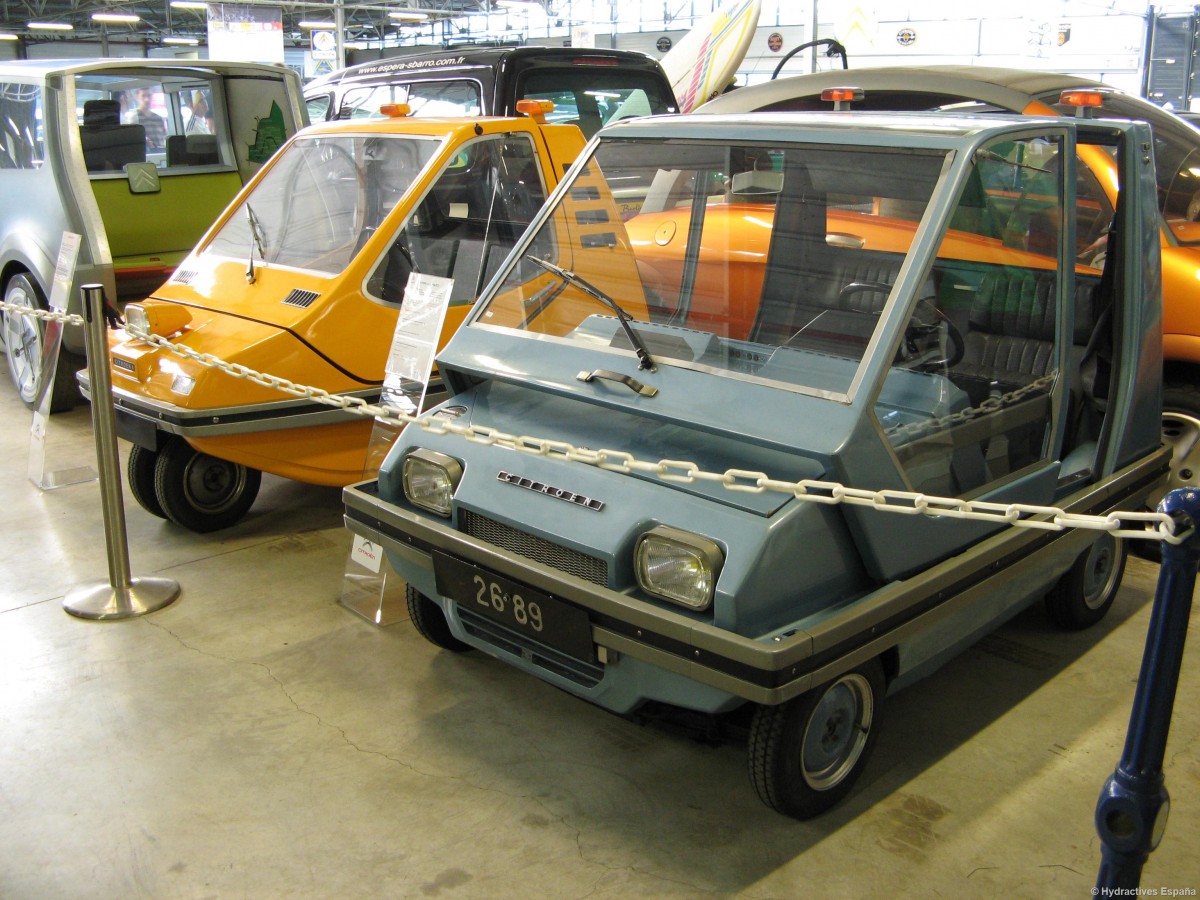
(121,597)
(1131,814)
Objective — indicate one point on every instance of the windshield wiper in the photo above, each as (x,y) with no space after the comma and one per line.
(643,355)
(256,240)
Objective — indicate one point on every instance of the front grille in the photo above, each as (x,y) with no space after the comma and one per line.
(183,276)
(561,664)
(533,547)
(300,298)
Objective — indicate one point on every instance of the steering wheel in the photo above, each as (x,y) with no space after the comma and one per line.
(863,287)
(922,340)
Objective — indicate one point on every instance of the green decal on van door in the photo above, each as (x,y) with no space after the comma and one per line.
(271,134)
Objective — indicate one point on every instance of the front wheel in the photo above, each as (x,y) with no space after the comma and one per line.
(140,472)
(201,492)
(23,342)
(427,617)
(806,754)
(1084,595)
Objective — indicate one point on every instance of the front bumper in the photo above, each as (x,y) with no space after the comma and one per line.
(140,418)
(767,669)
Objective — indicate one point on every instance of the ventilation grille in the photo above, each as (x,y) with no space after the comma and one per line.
(302,299)
(184,276)
(532,547)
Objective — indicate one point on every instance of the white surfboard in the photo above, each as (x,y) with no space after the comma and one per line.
(705,60)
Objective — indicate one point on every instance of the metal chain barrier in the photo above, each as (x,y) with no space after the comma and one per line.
(1123,524)
(45,315)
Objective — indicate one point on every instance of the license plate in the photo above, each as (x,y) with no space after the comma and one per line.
(523,609)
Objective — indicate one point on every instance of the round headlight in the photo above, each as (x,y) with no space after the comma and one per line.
(678,566)
(430,479)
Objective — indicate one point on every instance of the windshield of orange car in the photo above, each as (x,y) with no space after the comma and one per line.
(321,199)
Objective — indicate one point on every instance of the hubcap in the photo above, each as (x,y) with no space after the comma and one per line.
(1101,571)
(213,485)
(22,344)
(837,732)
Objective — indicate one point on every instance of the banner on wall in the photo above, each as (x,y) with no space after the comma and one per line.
(245,33)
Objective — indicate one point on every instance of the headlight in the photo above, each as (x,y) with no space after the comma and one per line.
(430,479)
(162,319)
(678,566)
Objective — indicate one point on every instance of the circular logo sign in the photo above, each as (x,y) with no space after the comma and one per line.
(775,41)
(906,37)
(663,44)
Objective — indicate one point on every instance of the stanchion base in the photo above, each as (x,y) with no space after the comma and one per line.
(103,601)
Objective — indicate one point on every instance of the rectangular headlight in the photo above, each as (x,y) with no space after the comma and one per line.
(430,479)
(678,566)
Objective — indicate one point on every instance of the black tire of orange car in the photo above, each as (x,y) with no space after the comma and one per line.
(22,290)
(806,754)
(139,471)
(1085,594)
(429,620)
(200,492)
(1180,427)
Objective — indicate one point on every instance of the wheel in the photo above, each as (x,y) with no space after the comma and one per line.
(1084,595)
(200,492)
(1180,432)
(922,347)
(428,618)
(139,472)
(23,339)
(806,754)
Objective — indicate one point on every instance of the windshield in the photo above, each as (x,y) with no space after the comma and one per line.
(322,199)
(762,261)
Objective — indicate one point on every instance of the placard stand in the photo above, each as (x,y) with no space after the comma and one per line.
(43,471)
(367,589)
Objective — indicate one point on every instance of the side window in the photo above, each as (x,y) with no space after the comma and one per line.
(467,222)
(444,98)
(364,102)
(970,399)
(22,139)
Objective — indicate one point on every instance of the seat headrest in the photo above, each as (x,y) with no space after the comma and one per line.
(99,113)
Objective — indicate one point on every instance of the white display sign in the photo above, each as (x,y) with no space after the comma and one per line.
(414,345)
(366,553)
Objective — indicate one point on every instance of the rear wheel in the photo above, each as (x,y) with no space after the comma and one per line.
(428,618)
(24,337)
(1084,595)
(140,474)
(201,492)
(806,754)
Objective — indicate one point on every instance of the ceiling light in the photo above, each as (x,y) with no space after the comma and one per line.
(189,4)
(412,16)
(116,18)
(5,36)
(307,24)
(181,40)
(49,26)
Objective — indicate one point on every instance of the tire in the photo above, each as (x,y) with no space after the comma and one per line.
(139,472)
(200,492)
(23,338)
(1180,432)
(1084,595)
(806,754)
(429,620)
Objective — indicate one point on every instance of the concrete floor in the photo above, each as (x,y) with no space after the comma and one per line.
(257,739)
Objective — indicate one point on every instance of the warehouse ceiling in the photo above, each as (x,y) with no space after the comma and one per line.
(163,18)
